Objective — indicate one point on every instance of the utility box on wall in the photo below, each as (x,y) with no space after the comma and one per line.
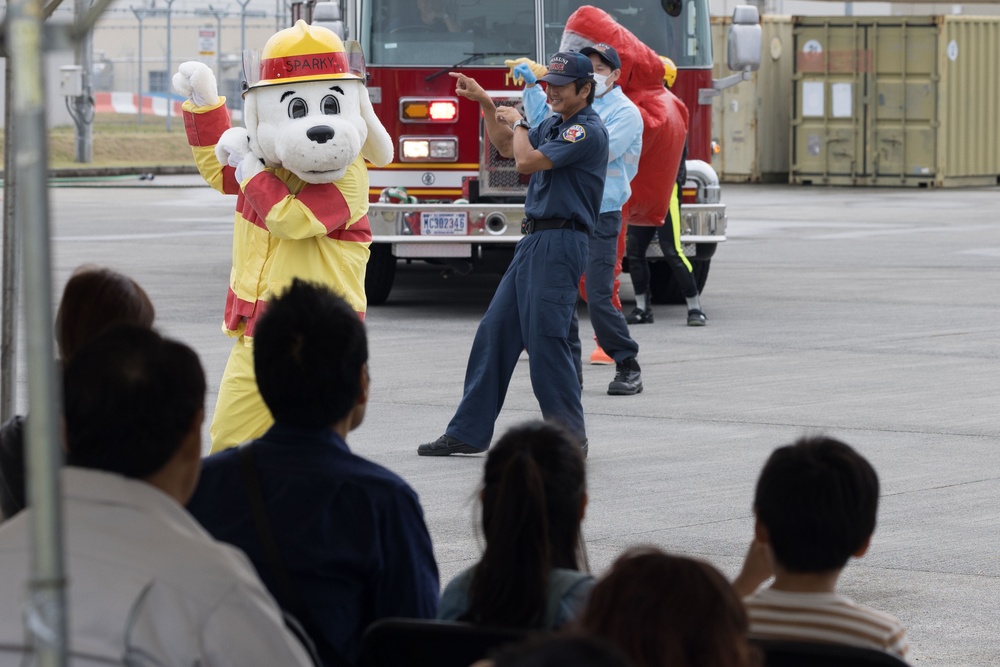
(751,121)
(900,101)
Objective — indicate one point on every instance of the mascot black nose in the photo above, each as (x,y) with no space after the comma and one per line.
(320,134)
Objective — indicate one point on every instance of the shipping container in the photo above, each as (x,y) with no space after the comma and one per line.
(751,122)
(897,101)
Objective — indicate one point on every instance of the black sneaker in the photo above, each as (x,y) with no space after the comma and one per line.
(640,316)
(628,379)
(446,445)
(696,318)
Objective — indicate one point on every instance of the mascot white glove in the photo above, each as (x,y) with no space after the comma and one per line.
(234,149)
(249,166)
(195,81)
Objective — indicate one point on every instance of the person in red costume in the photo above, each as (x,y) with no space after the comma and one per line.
(664,116)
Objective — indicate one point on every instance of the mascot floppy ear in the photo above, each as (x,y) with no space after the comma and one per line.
(378,146)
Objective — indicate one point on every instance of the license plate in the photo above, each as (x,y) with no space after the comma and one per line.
(449,223)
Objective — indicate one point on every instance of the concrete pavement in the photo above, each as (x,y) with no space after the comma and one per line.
(868,314)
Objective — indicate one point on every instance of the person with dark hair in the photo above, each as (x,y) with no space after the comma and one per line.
(815,506)
(342,542)
(558,651)
(146,584)
(534,306)
(94,299)
(669,611)
(533,499)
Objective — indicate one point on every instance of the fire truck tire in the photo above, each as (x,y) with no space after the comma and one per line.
(380,274)
(664,289)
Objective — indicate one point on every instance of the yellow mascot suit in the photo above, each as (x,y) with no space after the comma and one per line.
(301,185)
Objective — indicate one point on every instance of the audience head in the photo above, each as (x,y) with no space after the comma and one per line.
(558,651)
(533,498)
(310,357)
(816,502)
(94,299)
(669,611)
(133,401)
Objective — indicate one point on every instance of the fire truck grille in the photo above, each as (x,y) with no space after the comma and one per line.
(497,175)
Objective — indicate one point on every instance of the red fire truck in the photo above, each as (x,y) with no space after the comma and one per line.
(463,203)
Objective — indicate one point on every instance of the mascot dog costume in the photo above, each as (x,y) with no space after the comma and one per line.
(299,175)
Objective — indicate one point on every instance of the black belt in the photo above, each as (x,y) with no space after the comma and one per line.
(532,225)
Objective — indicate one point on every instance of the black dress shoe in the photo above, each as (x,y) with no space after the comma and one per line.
(696,318)
(640,316)
(628,379)
(446,445)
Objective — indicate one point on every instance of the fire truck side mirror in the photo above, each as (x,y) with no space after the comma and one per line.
(745,40)
(672,7)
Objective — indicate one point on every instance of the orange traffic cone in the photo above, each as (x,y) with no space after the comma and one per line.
(600,358)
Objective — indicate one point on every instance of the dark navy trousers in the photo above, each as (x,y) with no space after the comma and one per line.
(608,322)
(533,309)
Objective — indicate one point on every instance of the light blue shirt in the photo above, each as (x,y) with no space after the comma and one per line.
(565,599)
(624,123)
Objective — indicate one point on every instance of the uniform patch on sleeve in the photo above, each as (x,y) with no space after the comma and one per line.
(574,133)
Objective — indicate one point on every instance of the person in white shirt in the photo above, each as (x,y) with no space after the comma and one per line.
(815,507)
(146,584)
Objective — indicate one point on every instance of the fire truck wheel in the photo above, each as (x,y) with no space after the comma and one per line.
(380,274)
(663,287)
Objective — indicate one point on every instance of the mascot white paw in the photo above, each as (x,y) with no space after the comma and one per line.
(195,81)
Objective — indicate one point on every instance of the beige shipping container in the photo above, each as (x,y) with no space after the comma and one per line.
(898,101)
(751,121)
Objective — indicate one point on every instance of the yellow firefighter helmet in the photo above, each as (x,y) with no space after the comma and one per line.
(669,71)
(303,53)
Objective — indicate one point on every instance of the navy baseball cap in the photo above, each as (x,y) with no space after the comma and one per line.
(568,66)
(606,52)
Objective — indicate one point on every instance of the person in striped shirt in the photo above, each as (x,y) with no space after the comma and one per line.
(815,506)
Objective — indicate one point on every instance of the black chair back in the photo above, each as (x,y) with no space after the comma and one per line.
(405,642)
(813,654)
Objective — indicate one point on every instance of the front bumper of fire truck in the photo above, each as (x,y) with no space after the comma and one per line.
(428,230)
(700,224)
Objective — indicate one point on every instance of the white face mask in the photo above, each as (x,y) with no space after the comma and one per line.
(602,84)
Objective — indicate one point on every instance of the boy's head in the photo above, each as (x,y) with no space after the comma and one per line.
(132,401)
(310,356)
(817,500)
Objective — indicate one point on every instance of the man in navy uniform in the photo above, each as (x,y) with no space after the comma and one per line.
(533,308)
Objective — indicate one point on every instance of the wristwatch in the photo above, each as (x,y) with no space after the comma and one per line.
(521,123)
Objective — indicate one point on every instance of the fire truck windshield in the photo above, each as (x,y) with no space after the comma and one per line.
(441,33)
(445,32)
(686,39)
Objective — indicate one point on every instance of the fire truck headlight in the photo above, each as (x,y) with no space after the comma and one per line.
(416,149)
(434,149)
(444,149)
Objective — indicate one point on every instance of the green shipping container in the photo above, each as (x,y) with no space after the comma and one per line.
(897,101)
(751,121)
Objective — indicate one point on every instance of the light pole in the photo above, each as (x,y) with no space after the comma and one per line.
(170,101)
(140,14)
(82,106)
(243,24)
(219,14)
